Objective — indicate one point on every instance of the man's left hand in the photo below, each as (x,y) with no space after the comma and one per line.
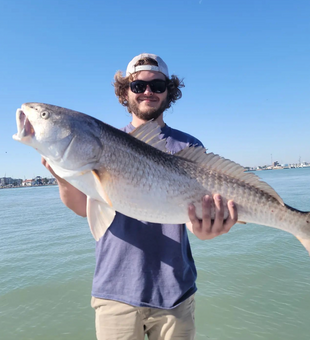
(206,229)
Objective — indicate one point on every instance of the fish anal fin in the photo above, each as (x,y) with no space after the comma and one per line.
(99,216)
(99,180)
(305,242)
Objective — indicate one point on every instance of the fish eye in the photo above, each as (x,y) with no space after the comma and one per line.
(45,114)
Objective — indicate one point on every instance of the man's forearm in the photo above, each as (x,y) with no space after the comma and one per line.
(73,198)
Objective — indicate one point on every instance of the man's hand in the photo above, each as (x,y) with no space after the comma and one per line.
(206,229)
(44,162)
(70,196)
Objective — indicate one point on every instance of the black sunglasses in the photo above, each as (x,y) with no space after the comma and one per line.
(156,85)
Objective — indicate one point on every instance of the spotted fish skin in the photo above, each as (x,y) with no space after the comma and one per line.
(135,175)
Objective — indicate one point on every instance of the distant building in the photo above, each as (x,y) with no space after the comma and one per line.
(8,181)
(52,181)
(275,164)
(38,181)
(28,182)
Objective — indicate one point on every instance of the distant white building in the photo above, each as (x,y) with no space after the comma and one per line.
(28,182)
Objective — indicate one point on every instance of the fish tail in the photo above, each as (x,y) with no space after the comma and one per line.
(306,241)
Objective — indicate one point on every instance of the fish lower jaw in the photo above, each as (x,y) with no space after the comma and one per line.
(25,130)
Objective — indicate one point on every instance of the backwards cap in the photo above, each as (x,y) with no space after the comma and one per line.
(162,67)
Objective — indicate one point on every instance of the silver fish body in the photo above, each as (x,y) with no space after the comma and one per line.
(133,174)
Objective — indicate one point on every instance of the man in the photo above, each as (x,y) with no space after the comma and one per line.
(144,281)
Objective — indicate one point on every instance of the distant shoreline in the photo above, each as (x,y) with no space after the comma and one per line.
(28,186)
(245,170)
(277,168)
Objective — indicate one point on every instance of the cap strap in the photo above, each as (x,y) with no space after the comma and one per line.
(146,68)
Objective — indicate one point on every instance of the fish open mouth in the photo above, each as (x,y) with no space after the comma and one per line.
(24,127)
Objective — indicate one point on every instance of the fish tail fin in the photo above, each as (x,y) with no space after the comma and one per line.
(305,243)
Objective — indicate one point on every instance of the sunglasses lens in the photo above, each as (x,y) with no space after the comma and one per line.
(157,86)
(138,86)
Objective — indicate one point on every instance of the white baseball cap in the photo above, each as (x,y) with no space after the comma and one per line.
(162,67)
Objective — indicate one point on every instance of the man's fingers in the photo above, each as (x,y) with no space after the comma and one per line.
(192,213)
(200,228)
(232,217)
(219,214)
(206,214)
(48,167)
(206,207)
(206,228)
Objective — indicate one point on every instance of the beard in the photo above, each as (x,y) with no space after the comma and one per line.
(151,113)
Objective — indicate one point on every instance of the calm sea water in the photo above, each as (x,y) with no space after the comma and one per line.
(254,282)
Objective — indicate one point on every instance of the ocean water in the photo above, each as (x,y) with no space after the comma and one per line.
(253,283)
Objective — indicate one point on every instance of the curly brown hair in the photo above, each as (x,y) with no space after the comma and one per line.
(121,85)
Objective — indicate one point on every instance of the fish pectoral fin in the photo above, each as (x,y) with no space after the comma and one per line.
(100,216)
(99,187)
(305,242)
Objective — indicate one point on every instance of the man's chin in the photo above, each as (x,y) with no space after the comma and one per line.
(149,106)
(148,112)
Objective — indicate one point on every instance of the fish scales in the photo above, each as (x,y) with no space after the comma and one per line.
(134,174)
(251,201)
(154,179)
(155,182)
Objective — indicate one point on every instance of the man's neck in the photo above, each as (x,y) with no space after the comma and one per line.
(138,121)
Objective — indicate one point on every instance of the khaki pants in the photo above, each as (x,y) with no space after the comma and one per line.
(119,321)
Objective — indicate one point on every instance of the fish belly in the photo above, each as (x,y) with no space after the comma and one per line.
(148,199)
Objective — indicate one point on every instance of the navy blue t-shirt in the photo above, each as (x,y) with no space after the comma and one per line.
(146,264)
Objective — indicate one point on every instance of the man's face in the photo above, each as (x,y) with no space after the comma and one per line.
(147,105)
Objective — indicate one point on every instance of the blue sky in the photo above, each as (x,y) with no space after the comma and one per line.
(245,64)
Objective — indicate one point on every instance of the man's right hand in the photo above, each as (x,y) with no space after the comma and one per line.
(73,198)
(48,167)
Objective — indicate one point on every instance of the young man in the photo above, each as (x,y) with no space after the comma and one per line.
(144,281)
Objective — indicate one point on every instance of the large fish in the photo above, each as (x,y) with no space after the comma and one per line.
(135,175)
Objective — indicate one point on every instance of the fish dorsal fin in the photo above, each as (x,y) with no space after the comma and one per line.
(227,167)
(149,133)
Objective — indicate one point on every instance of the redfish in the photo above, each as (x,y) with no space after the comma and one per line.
(135,175)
